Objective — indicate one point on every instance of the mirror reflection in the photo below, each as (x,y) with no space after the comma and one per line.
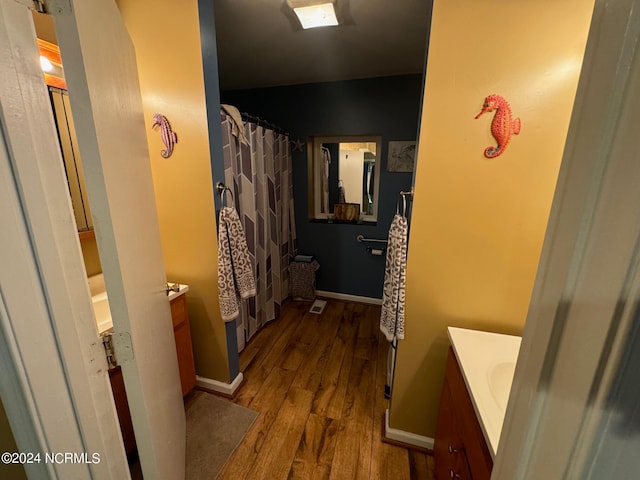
(344,181)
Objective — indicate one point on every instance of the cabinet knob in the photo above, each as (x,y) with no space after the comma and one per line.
(452,450)
(453,474)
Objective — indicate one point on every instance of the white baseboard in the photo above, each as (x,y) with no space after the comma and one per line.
(216,386)
(406,437)
(349,298)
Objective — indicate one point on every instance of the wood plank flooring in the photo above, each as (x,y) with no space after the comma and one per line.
(317,382)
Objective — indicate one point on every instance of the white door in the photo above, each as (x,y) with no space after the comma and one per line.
(101,75)
(102,78)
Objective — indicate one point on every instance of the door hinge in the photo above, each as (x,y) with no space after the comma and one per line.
(117,348)
(54,7)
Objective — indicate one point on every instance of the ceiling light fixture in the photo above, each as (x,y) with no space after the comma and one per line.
(314,13)
(45,64)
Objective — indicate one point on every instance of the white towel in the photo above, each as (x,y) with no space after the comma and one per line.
(235,271)
(237,127)
(393,295)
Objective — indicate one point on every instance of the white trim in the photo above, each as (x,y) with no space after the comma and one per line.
(240,335)
(405,437)
(221,387)
(349,298)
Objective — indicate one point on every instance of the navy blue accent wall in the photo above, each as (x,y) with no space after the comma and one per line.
(386,106)
(212,93)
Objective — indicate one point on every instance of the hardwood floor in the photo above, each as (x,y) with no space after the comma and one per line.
(317,382)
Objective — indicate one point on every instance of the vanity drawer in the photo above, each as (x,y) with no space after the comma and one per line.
(179,310)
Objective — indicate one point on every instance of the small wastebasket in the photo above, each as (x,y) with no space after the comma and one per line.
(303,277)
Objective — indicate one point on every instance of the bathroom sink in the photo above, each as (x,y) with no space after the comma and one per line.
(102,312)
(181,289)
(500,377)
(100,301)
(487,362)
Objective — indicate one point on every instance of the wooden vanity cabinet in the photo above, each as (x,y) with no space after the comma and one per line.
(460,449)
(182,334)
(122,408)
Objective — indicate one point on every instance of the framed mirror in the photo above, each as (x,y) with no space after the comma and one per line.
(344,175)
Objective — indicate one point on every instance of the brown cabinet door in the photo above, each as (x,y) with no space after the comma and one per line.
(460,470)
(459,448)
(447,444)
(122,407)
(179,310)
(182,334)
(185,357)
(468,427)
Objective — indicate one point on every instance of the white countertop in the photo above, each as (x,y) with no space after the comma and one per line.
(100,302)
(183,289)
(487,361)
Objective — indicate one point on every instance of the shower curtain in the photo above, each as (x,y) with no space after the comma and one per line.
(259,175)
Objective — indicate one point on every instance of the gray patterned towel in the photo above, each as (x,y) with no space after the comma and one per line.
(392,314)
(235,271)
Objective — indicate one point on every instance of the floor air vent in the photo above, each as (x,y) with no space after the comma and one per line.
(318,306)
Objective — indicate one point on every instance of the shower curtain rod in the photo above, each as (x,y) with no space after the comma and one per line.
(263,123)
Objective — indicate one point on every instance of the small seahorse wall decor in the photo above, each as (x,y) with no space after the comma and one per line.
(168,136)
(503,124)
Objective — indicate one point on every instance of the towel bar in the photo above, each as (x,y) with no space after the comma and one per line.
(361,238)
(408,194)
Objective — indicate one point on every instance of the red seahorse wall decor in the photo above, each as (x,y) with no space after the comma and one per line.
(503,124)
(168,136)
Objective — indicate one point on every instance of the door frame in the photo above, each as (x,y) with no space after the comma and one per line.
(55,385)
(588,284)
(50,231)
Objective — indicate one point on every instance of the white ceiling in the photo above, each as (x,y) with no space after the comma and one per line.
(260,43)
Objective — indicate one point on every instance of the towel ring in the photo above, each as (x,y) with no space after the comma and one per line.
(222,189)
(223,197)
(404,205)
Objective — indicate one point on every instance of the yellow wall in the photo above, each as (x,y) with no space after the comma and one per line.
(478,224)
(166,36)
